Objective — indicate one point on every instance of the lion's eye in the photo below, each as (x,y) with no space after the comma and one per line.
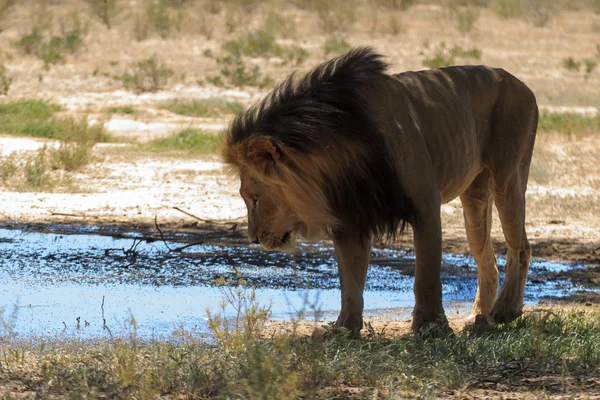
(255,201)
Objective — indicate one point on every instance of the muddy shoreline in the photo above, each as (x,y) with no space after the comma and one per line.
(183,237)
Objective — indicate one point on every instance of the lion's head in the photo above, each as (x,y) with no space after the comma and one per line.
(312,159)
(271,220)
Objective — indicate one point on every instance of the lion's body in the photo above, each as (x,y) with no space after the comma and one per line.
(461,113)
(356,152)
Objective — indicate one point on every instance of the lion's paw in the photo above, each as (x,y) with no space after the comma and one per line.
(504,313)
(349,323)
(477,320)
(431,327)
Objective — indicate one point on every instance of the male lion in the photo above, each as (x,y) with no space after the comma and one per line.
(351,151)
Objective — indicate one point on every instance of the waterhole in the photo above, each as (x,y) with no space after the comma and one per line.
(90,285)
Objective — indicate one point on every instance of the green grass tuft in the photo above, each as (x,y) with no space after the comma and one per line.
(192,141)
(568,123)
(128,110)
(29,118)
(203,108)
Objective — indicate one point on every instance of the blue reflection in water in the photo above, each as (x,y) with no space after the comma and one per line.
(56,278)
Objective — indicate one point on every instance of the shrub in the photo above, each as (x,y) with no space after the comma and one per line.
(141,30)
(276,24)
(158,18)
(235,73)
(5,80)
(393,4)
(590,66)
(77,139)
(5,6)
(263,44)
(508,8)
(254,44)
(106,10)
(31,42)
(541,11)
(467,17)
(444,57)
(590,63)
(336,16)
(8,167)
(335,46)
(571,64)
(149,75)
(53,49)
(36,170)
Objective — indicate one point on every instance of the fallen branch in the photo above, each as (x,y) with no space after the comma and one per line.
(210,221)
(66,214)
(162,237)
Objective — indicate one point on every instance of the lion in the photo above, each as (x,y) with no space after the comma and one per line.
(355,153)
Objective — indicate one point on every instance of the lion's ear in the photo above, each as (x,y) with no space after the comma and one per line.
(263,153)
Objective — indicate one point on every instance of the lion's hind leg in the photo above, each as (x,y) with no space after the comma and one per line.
(477,203)
(510,201)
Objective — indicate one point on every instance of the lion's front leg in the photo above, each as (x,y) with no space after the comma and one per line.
(428,284)
(353,255)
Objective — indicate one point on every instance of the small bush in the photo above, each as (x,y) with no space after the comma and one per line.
(189,140)
(5,6)
(157,18)
(263,44)
(5,80)
(203,108)
(149,75)
(336,16)
(8,167)
(36,171)
(276,24)
(401,5)
(106,10)
(590,63)
(335,46)
(541,11)
(30,43)
(234,72)
(444,57)
(77,139)
(392,25)
(590,66)
(53,49)
(254,44)
(466,18)
(571,64)
(508,8)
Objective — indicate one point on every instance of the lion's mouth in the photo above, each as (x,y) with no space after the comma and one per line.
(285,243)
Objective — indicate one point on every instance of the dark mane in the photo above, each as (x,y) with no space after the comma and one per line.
(325,113)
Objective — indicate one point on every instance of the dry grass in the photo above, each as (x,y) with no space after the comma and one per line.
(242,359)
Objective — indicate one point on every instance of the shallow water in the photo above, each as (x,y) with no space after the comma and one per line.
(49,280)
